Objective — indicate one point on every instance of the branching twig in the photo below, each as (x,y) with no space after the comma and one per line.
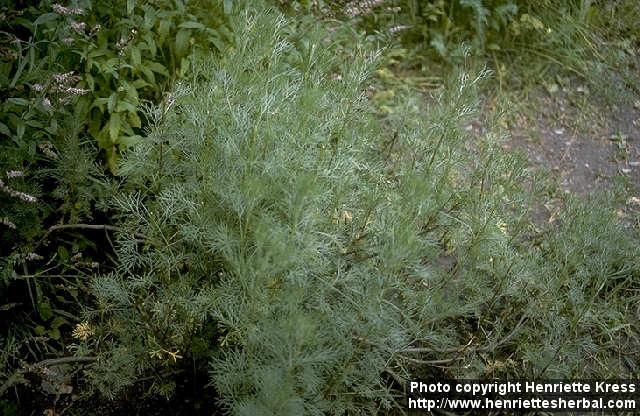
(104,227)
(486,348)
(395,376)
(52,362)
(85,226)
(429,362)
(446,350)
(505,339)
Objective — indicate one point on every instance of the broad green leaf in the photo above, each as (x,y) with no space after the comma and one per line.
(20,128)
(191,25)
(35,124)
(99,103)
(142,46)
(182,42)
(90,81)
(18,101)
(111,103)
(4,129)
(533,21)
(139,83)
(95,123)
(217,43)
(45,311)
(132,92)
(227,34)
(228,5)
(180,7)
(112,63)
(215,38)
(22,63)
(21,21)
(131,4)
(125,128)
(128,141)
(136,59)
(125,106)
(44,18)
(103,139)
(114,126)
(164,27)
(148,73)
(63,253)
(158,68)
(97,53)
(53,126)
(54,333)
(134,120)
(150,15)
(151,43)
(437,42)
(59,321)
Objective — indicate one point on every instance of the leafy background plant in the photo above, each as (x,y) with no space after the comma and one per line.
(524,42)
(73,78)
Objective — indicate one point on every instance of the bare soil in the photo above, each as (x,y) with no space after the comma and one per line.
(585,146)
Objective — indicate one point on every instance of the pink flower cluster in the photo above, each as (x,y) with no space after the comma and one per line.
(359,8)
(61,85)
(66,11)
(7,222)
(17,194)
(48,149)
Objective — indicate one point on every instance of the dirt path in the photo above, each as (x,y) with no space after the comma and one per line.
(586,148)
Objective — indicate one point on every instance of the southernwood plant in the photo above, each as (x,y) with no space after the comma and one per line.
(319,256)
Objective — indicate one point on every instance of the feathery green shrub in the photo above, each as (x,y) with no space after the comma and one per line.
(321,256)
(275,228)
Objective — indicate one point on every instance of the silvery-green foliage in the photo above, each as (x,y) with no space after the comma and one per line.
(336,257)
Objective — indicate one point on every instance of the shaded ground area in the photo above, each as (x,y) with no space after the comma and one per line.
(585,147)
(581,138)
